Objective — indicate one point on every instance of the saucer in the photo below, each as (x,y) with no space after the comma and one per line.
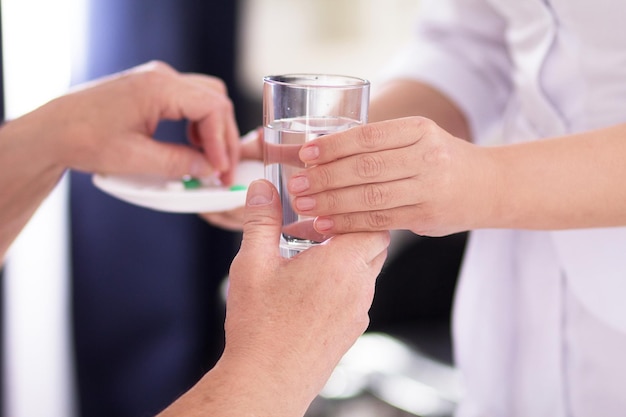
(167,194)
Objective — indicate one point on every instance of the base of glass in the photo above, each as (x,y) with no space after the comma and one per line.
(291,247)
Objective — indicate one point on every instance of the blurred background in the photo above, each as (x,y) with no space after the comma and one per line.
(113,310)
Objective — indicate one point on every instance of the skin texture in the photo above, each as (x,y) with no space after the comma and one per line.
(420,173)
(286,328)
(288,321)
(414,167)
(395,99)
(106,127)
(390,175)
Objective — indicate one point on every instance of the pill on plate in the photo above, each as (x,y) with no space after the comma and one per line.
(191,183)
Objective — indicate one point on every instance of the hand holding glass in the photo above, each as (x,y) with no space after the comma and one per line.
(296,109)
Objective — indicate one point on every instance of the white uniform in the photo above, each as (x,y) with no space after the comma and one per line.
(540,317)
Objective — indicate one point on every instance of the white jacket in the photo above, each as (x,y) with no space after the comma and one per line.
(540,317)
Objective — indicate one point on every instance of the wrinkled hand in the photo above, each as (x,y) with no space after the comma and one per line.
(291,320)
(106,126)
(398,174)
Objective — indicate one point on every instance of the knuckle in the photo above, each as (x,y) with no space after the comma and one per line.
(371,136)
(378,219)
(228,105)
(158,66)
(419,123)
(362,323)
(421,128)
(369,166)
(348,221)
(437,155)
(152,77)
(324,177)
(374,196)
(332,201)
(218,85)
(218,103)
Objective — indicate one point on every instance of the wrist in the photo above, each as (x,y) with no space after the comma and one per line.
(497,208)
(33,146)
(518,181)
(29,175)
(271,385)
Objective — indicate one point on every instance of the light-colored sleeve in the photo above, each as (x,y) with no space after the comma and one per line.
(460,49)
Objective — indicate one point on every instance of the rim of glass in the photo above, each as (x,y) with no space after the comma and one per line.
(316,80)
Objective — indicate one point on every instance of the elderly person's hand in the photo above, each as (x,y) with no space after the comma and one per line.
(288,320)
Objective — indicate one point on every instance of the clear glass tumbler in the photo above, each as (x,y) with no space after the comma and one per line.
(298,108)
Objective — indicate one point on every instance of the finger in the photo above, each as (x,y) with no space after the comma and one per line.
(144,155)
(282,154)
(365,248)
(366,168)
(193,136)
(262,220)
(304,230)
(390,219)
(214,83)
(368,197)
(229,220)
(215,133)
(252,145)
(373,137)
(209,110)
(233,150)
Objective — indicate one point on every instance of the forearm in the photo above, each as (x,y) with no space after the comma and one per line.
(561,183)
(403,97)
(28,175)
(241,389)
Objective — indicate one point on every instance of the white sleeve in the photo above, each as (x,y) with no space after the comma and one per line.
(460,49)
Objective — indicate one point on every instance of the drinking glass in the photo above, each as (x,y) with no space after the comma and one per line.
(298,108)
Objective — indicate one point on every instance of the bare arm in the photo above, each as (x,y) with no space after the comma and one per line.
(402,98)
(576,181)
(395,99)
(28,176)
(288,321)
(107,127)
(449,186)
(411,174)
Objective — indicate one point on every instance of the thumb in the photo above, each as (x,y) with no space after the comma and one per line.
(262,219)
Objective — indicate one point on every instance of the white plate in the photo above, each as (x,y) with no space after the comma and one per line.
(156,192)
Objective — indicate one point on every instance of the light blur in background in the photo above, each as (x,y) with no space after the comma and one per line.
(41,45)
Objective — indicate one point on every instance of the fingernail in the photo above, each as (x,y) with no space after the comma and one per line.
(309,153)
(298,184)
(200,167)
(259,194)
(323,224)
(304,203)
